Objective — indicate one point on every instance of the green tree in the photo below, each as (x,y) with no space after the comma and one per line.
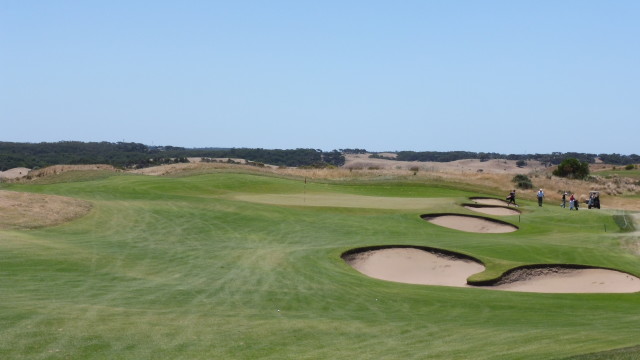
(522,181)
(572,168)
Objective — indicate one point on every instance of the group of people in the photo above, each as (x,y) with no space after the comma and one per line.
(573,202)
(511,199)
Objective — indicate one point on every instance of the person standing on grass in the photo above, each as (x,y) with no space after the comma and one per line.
(540,197)
(572,201)
(512,198)
(564,200)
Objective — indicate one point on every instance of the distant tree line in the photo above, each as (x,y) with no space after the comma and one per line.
(555,158)
(353,151)
(135,155)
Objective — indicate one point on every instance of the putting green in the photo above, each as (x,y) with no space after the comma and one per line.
(344,200)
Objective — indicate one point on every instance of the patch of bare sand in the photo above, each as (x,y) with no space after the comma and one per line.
(195,167)
(14,173)
(344,200)
(414,266)
(470,223)
(489,201)
(567,280)
(493,210)
(27,210)
(494,166)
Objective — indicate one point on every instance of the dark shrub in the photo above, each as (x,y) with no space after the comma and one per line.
(522,181)
(572,168)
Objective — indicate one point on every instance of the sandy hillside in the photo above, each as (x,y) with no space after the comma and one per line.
(14,173)
(363,161)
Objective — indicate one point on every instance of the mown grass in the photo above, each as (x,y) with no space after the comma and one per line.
(177,268)
(621,172)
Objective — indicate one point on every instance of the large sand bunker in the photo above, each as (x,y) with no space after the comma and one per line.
(470,223)
(428,266)
(413,265)
(492,210)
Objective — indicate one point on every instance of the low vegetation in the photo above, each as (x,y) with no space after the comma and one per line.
(522,182)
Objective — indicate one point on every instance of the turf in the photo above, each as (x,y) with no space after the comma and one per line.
(634,173)
(180,268)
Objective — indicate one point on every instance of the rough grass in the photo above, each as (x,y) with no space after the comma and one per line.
(191,267)
(629,353)
(21,210)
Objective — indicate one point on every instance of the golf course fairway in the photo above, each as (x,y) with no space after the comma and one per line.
(242,265)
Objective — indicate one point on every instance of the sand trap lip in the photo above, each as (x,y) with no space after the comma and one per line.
(566,279)
(492,209)
(489,201)
(413,265)
(470,223)
(430,266)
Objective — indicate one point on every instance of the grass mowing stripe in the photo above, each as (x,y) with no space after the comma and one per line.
(175,268)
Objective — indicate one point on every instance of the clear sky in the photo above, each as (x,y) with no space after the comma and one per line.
(487,76)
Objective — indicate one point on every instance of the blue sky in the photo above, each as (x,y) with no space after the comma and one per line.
(486,76)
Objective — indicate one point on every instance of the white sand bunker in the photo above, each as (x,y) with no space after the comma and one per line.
(413,266)
(492,210)
(470,223)
(489,201)
(425,266)
(559,279)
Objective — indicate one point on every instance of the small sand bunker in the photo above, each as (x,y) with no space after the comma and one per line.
(413,265)
(562,279)
(470,223)
(489,201)
(492,210)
